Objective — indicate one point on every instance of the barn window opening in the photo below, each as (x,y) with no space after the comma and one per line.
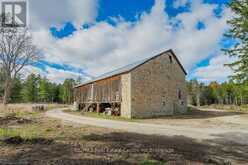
(179,94)
(163,100)
(170,59)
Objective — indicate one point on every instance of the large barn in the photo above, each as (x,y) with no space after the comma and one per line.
(151,87)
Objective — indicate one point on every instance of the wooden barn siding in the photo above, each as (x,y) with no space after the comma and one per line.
(83,93)
(104,91)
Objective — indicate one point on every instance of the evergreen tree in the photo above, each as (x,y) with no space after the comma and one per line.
(30,89)
(61,93)
(16,96)
(67,91)
(54,93)
(239,32)
(44,90)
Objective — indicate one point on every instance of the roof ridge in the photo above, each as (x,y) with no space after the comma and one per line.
(128,68)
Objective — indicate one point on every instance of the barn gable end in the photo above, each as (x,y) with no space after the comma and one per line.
(155,87)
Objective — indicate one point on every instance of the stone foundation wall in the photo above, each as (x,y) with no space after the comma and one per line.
(126,95)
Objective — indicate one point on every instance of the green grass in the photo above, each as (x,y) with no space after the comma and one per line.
(23,114)
(25,132)
(100,116)
(55,106)
(152,162)
(7,132)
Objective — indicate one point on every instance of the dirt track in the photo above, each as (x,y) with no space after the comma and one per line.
(193,126)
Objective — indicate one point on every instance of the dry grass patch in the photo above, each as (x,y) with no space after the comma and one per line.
(20,108)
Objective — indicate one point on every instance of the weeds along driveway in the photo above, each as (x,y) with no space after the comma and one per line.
(238,134)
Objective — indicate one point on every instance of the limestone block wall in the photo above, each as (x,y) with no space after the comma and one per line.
(155,88)
(126,95)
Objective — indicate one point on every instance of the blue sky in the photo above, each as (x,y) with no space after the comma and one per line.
(83,42)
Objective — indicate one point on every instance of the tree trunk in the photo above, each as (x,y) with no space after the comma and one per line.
(236,100)
(241,100)
(198,101)
(7,90)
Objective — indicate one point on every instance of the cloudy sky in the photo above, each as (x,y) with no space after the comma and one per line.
(91,37)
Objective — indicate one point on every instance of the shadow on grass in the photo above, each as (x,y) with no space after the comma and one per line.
(224,147)
(131,148)
(18,140)
(55,154)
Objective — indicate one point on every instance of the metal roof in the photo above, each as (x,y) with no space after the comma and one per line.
(128,68)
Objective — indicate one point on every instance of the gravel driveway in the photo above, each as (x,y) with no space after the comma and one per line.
(237,134)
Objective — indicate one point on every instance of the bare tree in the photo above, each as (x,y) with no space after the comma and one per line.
(16,51)
(197,91)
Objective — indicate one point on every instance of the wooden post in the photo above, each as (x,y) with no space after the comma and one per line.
(98,108)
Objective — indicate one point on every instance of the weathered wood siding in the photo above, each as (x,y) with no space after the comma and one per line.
(103,91)
(108,90)
(84,94)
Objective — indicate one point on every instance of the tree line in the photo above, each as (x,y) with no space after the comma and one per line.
(227,93)
(37,89)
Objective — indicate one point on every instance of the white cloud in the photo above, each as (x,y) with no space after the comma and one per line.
(104,47)
(179,3)
(53,74)
(59,76)
(96,49)
(215,70)
(45,13)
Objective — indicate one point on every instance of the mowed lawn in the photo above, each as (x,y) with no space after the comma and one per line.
(30,137)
